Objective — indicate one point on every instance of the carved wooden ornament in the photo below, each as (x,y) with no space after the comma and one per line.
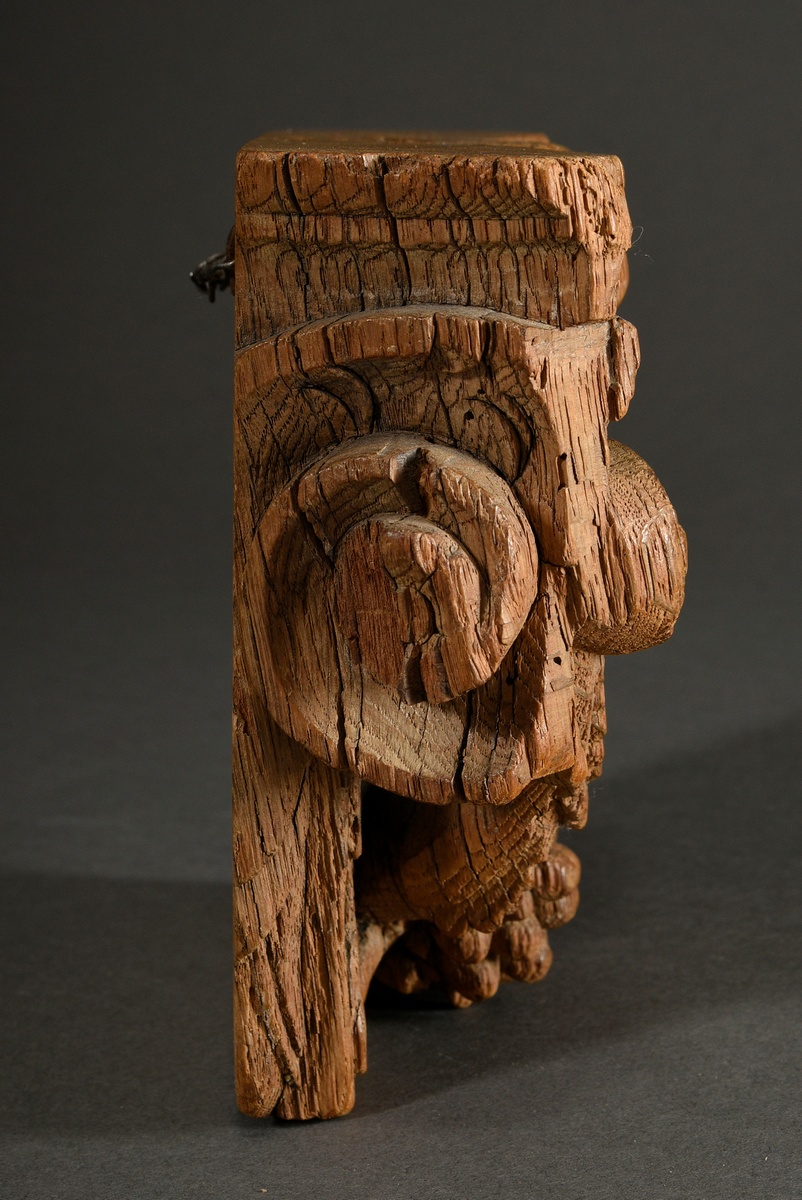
(435,546)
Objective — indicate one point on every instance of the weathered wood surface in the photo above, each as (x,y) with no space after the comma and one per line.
(347,222)
(435,545)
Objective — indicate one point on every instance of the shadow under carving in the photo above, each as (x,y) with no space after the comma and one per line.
(116,1008)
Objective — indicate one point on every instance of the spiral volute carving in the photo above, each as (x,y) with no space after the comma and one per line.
(412,562)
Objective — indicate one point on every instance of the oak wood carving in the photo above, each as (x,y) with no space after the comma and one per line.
(435,546)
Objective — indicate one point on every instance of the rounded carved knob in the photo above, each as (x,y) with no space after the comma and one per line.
(395,556)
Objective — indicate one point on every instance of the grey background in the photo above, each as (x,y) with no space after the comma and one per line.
(661,1057)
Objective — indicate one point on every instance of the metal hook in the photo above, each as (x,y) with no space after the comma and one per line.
(216,273)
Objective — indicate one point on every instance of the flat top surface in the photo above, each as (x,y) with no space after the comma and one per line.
(446,144)
(433,175)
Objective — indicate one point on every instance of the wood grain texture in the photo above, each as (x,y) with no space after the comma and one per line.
(299,1021)
(352,222)
(435,545)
